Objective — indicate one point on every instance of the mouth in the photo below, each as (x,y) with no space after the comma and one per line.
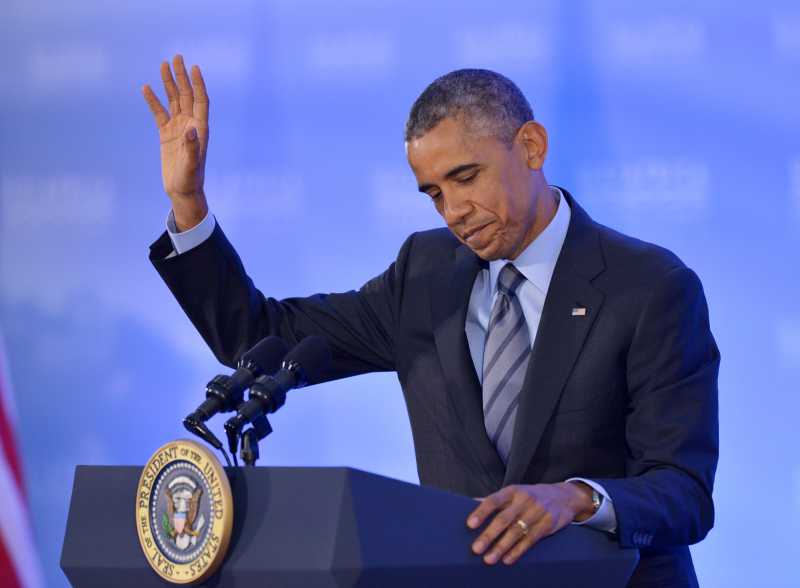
(470,235)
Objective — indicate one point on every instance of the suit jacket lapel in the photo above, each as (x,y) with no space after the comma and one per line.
(449,301)
(559,339)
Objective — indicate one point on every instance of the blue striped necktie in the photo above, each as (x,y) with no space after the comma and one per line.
(505,359)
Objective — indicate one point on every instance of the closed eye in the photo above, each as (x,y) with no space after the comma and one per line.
(468,179)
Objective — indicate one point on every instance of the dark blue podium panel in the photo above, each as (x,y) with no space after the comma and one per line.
(328,527)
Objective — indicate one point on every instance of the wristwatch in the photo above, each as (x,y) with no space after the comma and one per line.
(597,500)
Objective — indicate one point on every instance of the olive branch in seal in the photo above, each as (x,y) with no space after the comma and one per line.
(166,526)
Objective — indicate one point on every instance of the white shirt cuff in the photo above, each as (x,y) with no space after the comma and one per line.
(191,238)
(605,519)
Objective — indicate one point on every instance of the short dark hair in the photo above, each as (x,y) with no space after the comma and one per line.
(485,100)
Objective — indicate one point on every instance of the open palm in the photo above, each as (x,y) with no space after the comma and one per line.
(183,133)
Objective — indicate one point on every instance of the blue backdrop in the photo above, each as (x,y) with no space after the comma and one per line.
(675,122)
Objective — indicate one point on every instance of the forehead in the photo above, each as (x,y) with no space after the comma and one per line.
(445,146)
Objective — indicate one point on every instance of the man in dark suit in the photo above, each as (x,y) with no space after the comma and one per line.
(561,370)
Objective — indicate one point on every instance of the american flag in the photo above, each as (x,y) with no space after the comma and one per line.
(19,562)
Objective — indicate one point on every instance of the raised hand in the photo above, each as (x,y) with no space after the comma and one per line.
(184,140)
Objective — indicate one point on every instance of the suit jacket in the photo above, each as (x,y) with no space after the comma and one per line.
(625,395)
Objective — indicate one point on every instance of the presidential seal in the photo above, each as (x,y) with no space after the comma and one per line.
(184,512)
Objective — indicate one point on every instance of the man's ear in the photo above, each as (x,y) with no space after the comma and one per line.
(533,138)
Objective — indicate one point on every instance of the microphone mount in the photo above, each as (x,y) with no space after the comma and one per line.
(270,393)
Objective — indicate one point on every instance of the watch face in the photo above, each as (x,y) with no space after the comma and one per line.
(596,500)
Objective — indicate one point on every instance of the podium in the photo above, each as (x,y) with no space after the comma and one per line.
(315,527)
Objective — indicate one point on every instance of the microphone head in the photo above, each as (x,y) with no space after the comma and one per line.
(267,355)
(310,358)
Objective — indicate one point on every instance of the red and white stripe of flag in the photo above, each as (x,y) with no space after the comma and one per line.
(19,562)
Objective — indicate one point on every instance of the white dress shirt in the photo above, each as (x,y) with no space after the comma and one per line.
(536,263)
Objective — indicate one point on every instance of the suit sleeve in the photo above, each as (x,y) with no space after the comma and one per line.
(672,424)
(232,315)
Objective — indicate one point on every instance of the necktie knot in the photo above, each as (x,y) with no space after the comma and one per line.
(510,279)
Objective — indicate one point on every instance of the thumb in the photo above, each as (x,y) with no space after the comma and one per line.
(191,144)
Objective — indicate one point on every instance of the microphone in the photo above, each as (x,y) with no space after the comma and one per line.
(226,393)
(303,365)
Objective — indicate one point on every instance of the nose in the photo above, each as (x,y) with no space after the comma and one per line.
(455,209)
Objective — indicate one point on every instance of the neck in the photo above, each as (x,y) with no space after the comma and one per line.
(545,207)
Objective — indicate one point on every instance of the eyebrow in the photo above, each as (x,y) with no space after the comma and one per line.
(452,173)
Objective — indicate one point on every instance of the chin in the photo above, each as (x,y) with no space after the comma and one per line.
(492,252)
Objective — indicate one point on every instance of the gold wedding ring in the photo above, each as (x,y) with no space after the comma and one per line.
(524,526)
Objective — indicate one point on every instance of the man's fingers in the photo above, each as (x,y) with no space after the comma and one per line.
(505,537)
(536,532)
(170,88)
(520,547)
(185,94)
(499,524)
(154,103)
(488,505)
(502,521)
(516,540)
(513,536)
(200,95)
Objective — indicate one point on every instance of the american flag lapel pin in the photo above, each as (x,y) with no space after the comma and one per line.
(579,311)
